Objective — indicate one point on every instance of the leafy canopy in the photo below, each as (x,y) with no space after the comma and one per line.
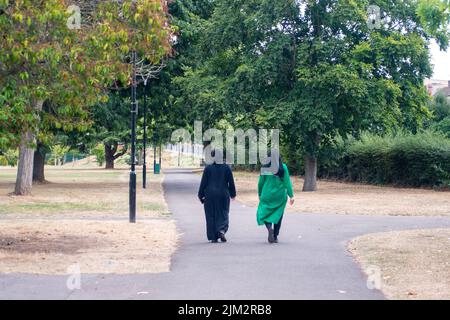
(42,59)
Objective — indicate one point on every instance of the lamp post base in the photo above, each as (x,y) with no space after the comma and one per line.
(144,176)
(132,197)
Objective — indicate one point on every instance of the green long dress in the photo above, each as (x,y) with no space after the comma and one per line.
(273,193)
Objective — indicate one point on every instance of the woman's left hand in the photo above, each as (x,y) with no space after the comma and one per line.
(291,201)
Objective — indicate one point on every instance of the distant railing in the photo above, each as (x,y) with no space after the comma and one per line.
(195,150)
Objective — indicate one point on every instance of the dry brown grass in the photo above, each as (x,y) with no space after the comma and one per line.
(52,246)
(81,193)
(349,198)
(413,264)
(73,219)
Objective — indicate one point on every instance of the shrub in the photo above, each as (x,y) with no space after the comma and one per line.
(99,153)
(404,159)
(57,154)
(9,158)
(443,126)
(331,156)
(125,159)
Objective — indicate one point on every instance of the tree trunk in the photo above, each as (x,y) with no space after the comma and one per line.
(24,179)
(109,156)
(310,174)
(39,164)
(140,157)
(160,156)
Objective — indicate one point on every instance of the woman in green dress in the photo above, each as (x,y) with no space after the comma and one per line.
(274,188)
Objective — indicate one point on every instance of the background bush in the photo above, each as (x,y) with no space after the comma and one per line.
(9,157)
(403,159)
(99,153)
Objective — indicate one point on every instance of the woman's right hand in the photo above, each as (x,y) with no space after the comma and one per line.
(291,201)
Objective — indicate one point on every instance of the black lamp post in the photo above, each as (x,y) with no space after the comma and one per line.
(144,168)
(134,112)
(145,71)
(154,156)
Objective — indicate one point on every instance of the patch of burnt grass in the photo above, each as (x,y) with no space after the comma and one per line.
(45,243)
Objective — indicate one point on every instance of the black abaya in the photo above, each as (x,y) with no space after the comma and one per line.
(216,189)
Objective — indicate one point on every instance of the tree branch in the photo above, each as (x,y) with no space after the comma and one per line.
(121,153)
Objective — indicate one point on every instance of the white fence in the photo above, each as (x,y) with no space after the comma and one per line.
(195,150)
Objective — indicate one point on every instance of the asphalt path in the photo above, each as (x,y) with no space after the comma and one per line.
(310,262)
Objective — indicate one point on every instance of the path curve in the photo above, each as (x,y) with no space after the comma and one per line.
(310,262)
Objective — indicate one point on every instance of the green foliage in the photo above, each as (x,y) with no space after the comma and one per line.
(315,71)
(167,111)
(9,158)
(332,156)
(126,159)
(440,108)
(13,116)
(405,159)
(443,126)
(41,59)
(99,153)
(57,153)
(111,120)
(434,15)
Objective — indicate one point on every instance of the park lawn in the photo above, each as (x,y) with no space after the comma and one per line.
(56,246)
(81,193)
(170,160)
(351,198)
(81,218)
(413,265)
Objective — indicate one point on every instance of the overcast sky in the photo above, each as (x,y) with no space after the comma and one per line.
(441,62)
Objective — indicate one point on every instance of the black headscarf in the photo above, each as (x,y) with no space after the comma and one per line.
(217,156)
(277,169)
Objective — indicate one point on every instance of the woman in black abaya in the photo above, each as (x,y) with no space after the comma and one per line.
(216,189)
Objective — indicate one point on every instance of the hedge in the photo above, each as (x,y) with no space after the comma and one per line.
(404,159)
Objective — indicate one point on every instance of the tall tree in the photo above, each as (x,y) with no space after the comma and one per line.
(111,122)
(314,68)
(55,124)
(42,59)
(166,111)
(440,107)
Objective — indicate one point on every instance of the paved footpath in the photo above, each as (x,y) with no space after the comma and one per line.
(310,262)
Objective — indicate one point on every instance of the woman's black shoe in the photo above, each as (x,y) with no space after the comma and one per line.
(222,237)
(271,236)
(214,241)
